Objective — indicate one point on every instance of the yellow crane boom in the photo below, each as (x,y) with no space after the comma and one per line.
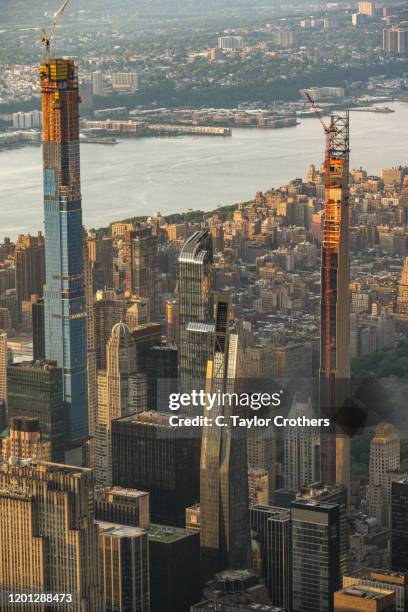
(46,38)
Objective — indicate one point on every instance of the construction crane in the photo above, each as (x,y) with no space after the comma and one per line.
(46,38)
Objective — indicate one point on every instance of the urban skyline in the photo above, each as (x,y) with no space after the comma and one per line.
(206,412)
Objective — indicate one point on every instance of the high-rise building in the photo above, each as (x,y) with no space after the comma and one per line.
(37,316)
(334,314)
(172,322)
(64,293)
(364,598)
(332,494)
(384,460)
(29,259)
(366,8)
(161,374)
(97,83)
(113,397)
(301,463)
(283,38)
(25,441)
(145,337)
(125,81)
(196,309)
(147,453)
(402,298)
(100,251)
(225,538)
(3,366)
(399,525)
(122,506)
(35,389)
(141,265)
(90,352)
(315,555)
(273,528)
(124,563)
(138,392)
(231,43)
(138,313)
(395,41)
(174,556)
(261,449)
(48,537)
(109,309)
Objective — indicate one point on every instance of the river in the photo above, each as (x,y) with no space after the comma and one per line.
(142,176)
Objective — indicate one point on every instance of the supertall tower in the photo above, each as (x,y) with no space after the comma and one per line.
(335,309)
(64,294)
(225,537)
(335,300)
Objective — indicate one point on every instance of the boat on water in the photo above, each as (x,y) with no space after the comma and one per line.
(383,109)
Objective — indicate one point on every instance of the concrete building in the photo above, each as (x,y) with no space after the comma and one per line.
(384,460)
(301,463)
(364,598)
(113,397)
(382,579)
(125,81)
(366,8)
(97,83)
(25,441)
(395,41)
(122,506)
(29,259)
(140,247)
(109,308)
(231,43)
(48,537)
(3,367)
(402,298)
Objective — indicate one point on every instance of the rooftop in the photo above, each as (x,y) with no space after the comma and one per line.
(363,592)
(168,535)
(119,531)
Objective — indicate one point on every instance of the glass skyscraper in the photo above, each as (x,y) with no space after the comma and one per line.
(196,309)
(64,295)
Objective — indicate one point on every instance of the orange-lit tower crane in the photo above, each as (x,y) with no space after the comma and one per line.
(334,323)
(46,38)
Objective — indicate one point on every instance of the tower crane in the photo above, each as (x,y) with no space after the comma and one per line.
(46,38)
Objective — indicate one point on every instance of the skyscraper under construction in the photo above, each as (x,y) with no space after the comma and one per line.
(64,303)
(334,327)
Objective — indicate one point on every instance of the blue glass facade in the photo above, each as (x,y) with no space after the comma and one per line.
(64,293)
